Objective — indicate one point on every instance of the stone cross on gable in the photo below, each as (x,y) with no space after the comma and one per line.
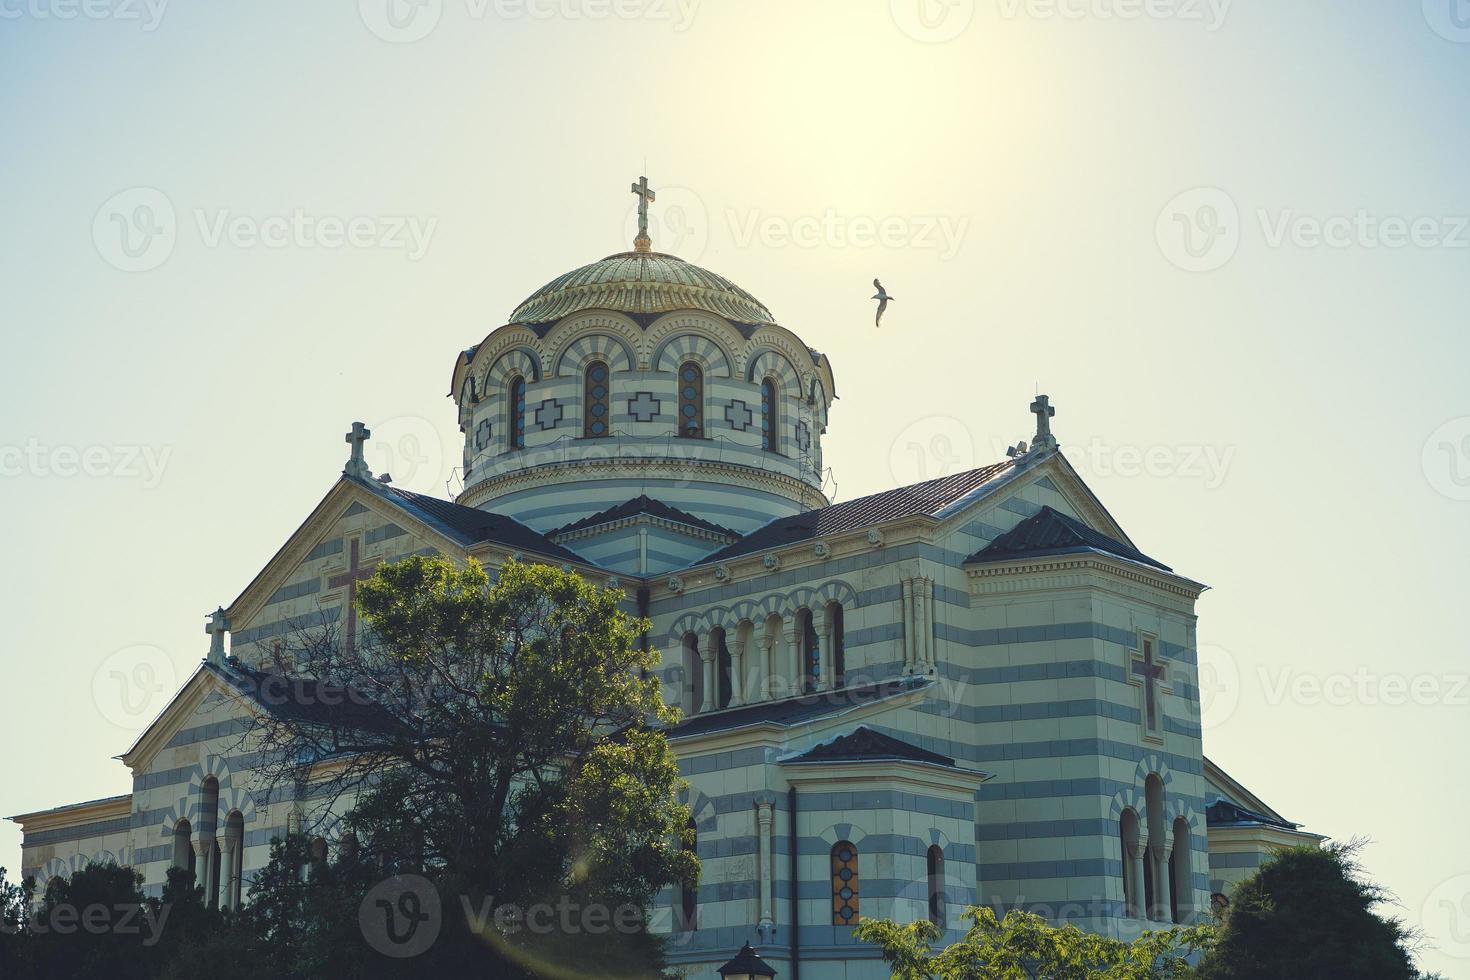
(218,626)
(646,196)
(1146,671)
(1044,412)
(356,465)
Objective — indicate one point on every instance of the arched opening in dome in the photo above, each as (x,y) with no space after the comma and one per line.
(770,419)
(515,422)
(691,401)
(597,401)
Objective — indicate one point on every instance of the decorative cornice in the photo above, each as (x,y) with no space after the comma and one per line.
(576,470)
(690,530)
(1073,571)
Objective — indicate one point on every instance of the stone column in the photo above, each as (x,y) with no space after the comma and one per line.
(923,623)
(737,667)
(1133,879)
(908,625)
(768,654)
(227,869)
(204,870)
(793,648)
(707,658)
(764,822)
(823,628)
(1162,885)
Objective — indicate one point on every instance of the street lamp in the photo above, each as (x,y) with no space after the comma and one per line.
(747,965)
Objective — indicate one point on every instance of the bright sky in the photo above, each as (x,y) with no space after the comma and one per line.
(1228,239)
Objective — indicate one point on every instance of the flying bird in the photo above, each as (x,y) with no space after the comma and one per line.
(882,297)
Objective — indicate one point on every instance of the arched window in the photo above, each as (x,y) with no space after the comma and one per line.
(811,652)
(938,901)
(235,858)
(844,884)
(1154,866)
(693,675)
(691,401)
(688,911)
(723,670)
(1181,888)
(596,401)
(184,846)
(1128,841)
(515,421)
(770,420)
(839,646)
(208,821)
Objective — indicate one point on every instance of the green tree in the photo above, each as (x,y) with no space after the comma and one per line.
(501,742)
(15,906)
(95,924)
(1310,912)
(1024,946)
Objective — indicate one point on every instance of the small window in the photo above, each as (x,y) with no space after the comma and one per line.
(844,884)
(937,899)
(839,648)
(811,647)
(597,401)
(516,422)
(723,669)
(770,431)
(688,910)
(691,401)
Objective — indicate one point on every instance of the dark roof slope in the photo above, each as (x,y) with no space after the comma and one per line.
(470,526)
(1223,813)
(644,504)
(1052,533)
(794,711)
(929,497)
(305,699)
(864,744)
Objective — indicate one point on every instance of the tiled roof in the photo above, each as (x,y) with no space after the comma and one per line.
(470,526)
(641,282)
(863,744)
(306,699)
(643,504)
(930,498)
(1223,813)
(794,711)
(1049,532)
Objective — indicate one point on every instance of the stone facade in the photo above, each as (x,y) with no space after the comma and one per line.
(971,690)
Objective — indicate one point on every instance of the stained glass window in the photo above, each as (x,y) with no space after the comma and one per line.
(691,401)
(844,884)
(770,433)
(516,423)
(597,401)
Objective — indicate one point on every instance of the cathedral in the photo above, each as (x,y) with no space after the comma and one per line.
(973,690)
